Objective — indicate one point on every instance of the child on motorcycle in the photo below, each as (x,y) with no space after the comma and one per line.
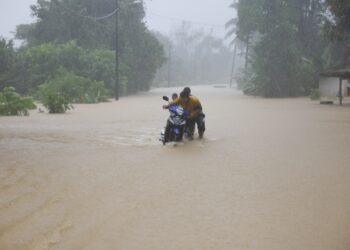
(193,106)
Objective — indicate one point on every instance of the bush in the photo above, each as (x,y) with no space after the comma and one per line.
(54,101)
(315,94)
(250,89)
(96,93)
(11,103)
(245,83)
(40,64)
(66,88)
(76,89)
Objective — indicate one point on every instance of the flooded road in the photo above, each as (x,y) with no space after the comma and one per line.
(269,174)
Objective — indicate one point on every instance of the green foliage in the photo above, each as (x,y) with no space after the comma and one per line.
(287,46)
(337,30)
(96,92)
(55,102)
(7,59)
(73,89)
(245,84)
(250,89)
(315,94)
(39,64)
(35,65)
(338,27)
(11,103)
(92,55)
(306,77)
(100,66)
(6,54)
(249,15)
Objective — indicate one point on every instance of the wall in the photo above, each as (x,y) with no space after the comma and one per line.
(329,86)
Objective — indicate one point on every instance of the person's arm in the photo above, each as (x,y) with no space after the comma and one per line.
(197,110)
(177,101)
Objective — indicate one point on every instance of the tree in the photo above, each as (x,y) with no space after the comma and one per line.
(7,60)
(338,25)
(245,25)
(337,30)
(36,65)
(287,45)
(194,57)
(91,25)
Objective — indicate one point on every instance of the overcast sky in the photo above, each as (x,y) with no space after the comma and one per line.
(162,15)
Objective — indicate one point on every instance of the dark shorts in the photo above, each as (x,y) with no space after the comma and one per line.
(199,120)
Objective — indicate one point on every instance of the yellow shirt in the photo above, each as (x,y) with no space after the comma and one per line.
(192,105)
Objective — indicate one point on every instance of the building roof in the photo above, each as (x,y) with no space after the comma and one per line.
(340,73)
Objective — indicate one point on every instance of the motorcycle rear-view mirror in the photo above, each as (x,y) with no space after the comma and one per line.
(165,98)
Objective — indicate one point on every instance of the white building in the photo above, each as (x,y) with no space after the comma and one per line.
(329,86)
(335,83)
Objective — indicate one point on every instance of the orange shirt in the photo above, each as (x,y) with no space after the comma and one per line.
(192,105)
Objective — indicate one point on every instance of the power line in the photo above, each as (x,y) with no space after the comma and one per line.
(101,17)
(106,16)
(216,26)
(89,17)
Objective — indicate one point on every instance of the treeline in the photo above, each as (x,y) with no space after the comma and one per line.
(193,57)
(76,38)
(287,43)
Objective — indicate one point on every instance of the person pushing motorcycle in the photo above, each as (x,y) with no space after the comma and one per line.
(193,106)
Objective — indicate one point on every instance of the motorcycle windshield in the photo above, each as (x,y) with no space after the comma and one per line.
(177,115)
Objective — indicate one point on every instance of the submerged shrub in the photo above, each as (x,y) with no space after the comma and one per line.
(76,89)
(315,94)
(96,92)
(11,103)
(53,100)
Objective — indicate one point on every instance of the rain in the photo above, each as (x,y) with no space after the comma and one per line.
(252,153)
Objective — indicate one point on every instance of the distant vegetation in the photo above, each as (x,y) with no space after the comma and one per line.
(68,53)
(287,43)
(193,57)
(315,94)
(69,49)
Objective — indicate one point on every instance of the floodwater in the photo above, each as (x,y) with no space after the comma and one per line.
(269,174)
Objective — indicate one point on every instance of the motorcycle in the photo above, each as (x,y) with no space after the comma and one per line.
(174,130)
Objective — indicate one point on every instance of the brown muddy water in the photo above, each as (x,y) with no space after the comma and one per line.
(270,174)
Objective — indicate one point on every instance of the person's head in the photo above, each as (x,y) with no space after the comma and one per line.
(185,96)
(174,96)
(187,89)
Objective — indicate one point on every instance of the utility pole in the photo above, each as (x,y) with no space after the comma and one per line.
(233,65)
(340,91)
(169,65)
(247,54)
(116,90)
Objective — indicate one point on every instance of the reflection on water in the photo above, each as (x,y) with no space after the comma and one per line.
(269,174)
